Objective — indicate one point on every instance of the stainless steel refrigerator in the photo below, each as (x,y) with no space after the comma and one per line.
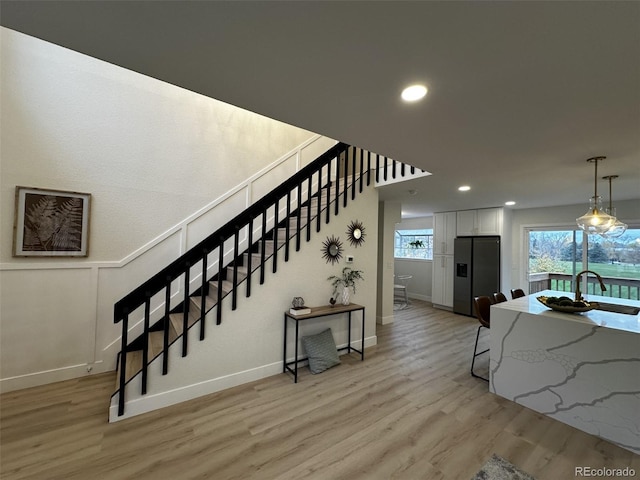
(477,270)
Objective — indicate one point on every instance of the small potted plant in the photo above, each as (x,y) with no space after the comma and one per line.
(346,280)
(416,244)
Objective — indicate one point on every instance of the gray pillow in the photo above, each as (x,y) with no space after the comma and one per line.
(321,351)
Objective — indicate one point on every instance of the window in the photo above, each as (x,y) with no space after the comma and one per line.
(414,244)
(556,255)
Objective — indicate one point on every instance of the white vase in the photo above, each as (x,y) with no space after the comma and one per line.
(345,296)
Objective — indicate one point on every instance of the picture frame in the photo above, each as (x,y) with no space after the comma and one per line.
(51,223)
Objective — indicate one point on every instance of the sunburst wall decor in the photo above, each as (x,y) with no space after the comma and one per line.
(355,233)
(332,249)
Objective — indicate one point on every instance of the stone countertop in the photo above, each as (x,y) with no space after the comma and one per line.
(618,321)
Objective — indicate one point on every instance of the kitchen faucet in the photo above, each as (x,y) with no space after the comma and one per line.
(578,296)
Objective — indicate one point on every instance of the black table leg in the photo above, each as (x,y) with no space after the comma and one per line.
(362,345)
(295,375)
(349,336)
(284,353)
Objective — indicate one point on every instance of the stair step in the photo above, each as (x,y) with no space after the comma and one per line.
(177,321)
(255,260)
(134,365)
(242,272)
(156,344)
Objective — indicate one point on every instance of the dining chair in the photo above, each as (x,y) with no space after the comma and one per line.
(482,306)
(400,290)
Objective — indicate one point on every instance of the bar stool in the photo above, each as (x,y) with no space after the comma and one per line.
(483,309)
(499,297)
(517,293)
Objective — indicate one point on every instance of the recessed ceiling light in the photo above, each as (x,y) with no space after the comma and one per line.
(510,202)
(464,188)
(414,93)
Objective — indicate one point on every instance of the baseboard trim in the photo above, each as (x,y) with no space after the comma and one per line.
(151,402)
(384,320)
(49,376)
(417,296)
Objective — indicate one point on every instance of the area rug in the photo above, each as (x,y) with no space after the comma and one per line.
(497,468)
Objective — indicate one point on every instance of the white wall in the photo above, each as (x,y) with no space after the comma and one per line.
(156,159)
(389,213)
(420,285)
(564,216)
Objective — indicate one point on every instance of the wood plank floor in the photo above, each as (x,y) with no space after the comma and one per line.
(409,411)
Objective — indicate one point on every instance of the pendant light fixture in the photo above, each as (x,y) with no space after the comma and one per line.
(618,228)
(595,221)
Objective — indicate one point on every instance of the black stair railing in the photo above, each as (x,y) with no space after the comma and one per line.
(161,283)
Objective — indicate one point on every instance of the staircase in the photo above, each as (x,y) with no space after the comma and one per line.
(240,253)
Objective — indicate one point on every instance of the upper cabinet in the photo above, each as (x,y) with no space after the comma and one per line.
(444,232)
(486,221)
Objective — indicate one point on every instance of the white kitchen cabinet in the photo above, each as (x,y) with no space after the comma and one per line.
(442,284)
(444,233)
(485,221)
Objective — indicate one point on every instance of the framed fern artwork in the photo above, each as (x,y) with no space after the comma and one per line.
(51,223)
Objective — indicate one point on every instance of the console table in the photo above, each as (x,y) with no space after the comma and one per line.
(317,312)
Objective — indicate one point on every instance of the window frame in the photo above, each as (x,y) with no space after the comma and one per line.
(424,234)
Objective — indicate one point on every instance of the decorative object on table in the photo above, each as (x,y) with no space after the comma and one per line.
(497,468)
(347,280)
(51,223)
(618,228)
(355,233)
(566,305)
(299,310)
(332,249)
(332,301)
(595,221)
(321,350)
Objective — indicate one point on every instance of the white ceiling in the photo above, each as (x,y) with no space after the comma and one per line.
(520,93)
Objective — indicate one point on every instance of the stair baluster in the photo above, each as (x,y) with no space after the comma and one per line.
(249,256)
(354,183)
(234,292)
(165,326)
(263,243)
(386,168)
(298,215)
(123,359)
(275,236)
(337,196)
(145,340)
(319,201)
(345,168)
(185,309)
(219,292)
(204,291)
(328,193)
(309,185)
(287,228)
(361,171)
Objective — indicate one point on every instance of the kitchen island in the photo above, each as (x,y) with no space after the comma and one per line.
(582,369)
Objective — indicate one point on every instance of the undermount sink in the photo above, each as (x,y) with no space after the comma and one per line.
(616,308)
